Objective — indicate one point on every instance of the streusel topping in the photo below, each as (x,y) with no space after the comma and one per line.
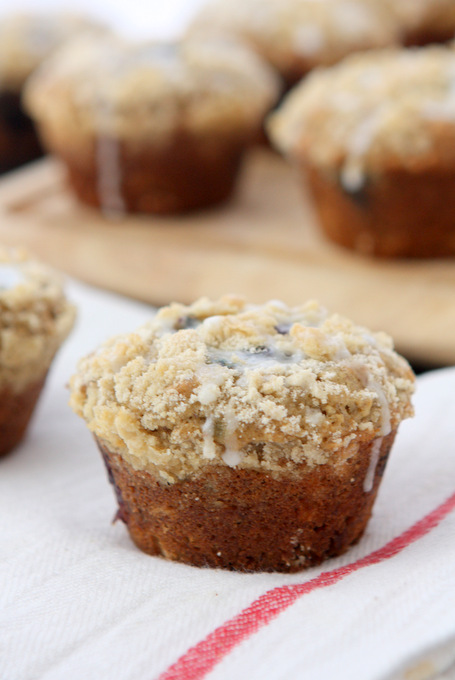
(35,318)
(136,90)
(319,32)
(373,111)
(27,38)
(265,387)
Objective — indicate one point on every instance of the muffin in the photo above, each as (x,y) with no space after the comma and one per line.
(151,127)
(424,21)
(245,437)
(26,39)
(295,36)
(35,318)
(374,137)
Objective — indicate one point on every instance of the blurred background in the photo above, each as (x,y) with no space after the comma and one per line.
(141,18)
(262,244)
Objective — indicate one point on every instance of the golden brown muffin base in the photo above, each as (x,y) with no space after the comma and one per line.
(248,520)
(18,139)
(184,174)
(16,410)
(398,214)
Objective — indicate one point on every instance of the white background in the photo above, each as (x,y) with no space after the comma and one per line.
(160,18)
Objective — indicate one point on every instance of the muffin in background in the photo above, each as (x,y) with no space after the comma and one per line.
(242,436)
(374,136)
(35,319)
(26,39)
(296,36)
(424,21)
(151,127)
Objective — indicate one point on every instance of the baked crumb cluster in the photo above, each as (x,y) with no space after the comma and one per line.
(319,32)
(35,318)
(264,387)
(373,111)
(152,89)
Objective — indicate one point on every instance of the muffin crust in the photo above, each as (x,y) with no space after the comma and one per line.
(371,113)
(145,91)
(35,318)
(264,388)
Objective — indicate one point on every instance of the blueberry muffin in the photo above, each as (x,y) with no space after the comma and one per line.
(26,39)
(375,138)
(245,437)
(35,318)
(151,127)
(295,36)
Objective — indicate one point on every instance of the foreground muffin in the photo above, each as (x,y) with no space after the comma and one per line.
(295,36)
(245,437)
(152,127)
(424,21)
(26,39)
(375,138)
(35,318)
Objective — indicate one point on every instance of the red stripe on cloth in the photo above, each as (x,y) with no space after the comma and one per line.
(203,657)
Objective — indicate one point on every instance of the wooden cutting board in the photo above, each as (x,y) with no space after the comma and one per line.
(264,244)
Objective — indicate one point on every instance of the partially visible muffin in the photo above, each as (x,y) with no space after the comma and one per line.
(295,36)
(375,138)
(35,318)
(242,436)
(424,21)
(152,127)
(26,39)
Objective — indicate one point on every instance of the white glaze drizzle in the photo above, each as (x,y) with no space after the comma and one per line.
(10,277)
(374,459)
(208,431)
(374,386)
(232,455)
(386,427)
(109,184)
(352,175)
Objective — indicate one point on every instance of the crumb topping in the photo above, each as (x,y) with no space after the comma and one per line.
(131,90)
(35,318)
(373,111)
(265,387)
(317,32)
(26,39)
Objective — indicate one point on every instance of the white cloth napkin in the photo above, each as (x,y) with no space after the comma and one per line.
(79,600)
